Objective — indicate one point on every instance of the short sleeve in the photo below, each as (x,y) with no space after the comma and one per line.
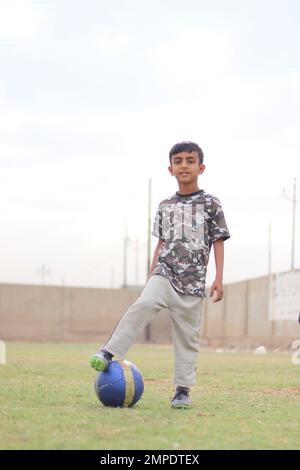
(157,224)
(218,226)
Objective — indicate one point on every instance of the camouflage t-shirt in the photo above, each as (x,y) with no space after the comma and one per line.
(188,224)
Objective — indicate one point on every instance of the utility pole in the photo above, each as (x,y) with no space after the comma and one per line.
(270,249)
(112,277)
(294,200)
(126,240)
(148,327)
(43,271)
(149,227)
(136,262)
(271,282)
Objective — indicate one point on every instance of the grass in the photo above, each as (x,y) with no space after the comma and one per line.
(241,401)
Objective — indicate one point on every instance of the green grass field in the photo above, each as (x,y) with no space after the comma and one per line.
(241,401)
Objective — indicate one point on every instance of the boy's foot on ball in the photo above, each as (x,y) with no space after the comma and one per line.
(101,360)
(181,398)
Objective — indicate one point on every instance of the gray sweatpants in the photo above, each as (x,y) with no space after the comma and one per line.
(185,312)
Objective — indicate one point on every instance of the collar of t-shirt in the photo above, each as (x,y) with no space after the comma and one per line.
(189,194)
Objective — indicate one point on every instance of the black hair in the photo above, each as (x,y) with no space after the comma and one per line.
(186,146)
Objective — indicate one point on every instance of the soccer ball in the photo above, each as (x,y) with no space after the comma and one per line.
(121,384)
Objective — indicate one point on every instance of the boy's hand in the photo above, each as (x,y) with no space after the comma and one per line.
(217,286)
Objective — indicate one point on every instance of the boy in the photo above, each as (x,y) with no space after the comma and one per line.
(187,225)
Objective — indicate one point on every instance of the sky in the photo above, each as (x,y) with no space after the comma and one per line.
(92,97)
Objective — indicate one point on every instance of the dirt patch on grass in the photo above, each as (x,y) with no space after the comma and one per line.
(157,381)
(283,392)
(206,415)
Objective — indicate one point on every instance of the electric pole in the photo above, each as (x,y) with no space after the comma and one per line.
(43,271)
(136,262)
(148,327)
(270,249)
(149,227)
(112,276)
(294,200)
(125,245)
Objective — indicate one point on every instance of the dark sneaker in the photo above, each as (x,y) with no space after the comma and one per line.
(101,360)
(181,399)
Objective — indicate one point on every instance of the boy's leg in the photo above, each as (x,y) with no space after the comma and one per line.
(185,323)
(151,301)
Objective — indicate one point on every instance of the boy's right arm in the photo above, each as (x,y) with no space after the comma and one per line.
(155,256)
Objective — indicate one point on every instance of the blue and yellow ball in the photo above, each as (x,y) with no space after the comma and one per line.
(121,384)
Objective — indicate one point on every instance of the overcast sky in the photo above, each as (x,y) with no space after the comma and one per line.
(93,94)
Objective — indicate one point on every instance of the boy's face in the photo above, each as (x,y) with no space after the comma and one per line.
(186,167)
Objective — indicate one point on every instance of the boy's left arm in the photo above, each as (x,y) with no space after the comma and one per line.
(219,260)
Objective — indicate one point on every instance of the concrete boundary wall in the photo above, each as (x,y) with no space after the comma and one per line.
(50,313)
